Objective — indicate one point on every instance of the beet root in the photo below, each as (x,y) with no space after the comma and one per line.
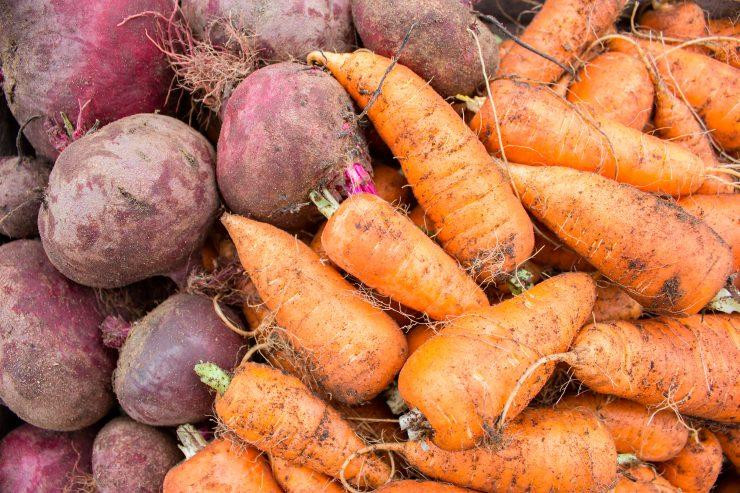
(133,200)
(77,58)
(22,181)
(130,456)
(154,381)
(54,371)
(287,129)
(33,460)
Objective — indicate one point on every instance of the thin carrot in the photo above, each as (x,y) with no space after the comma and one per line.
(697,467)
(391,185)
(614,86)
(648,434)
(418,335)
(642,478)
(562,29)
(318,247)
(478,219)
(613,303)
(300,479)
(667,260)
(539,128)
(409,486)
(729,439)
(278,414)
(354,349)
(460,379)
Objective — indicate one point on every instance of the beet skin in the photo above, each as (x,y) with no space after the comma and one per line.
(154,381)
(22,182)
(287,129)
(130,201)
(54,371)
(33,460)
(130,456)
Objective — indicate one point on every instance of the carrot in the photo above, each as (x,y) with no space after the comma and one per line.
(614,86)
(463,403)
(642,478)
(318,247)
(381,247)
(648,434)
(612,303)
(278,414)
(725,51)
(373,421)
(478,219)
(661,256)
(562,29)
(419,217)
(709,86)
(539,128)
(558,256)
(696,468)
(390,185)
(409,486)
(683,20)
(729,439)
(353,348)
(299,479)
(418,335)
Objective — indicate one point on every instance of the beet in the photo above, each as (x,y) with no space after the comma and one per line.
(154,381)
(33,460)
(54,371)
(56,56)
(440,48)
(130,201)
(287,129)
(22,181)
(129,456)
(281,29)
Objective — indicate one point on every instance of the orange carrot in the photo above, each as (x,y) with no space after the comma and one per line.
(539,128)
(390,184)
(300,479)
(729,439)
(418,335)
(409,486)
(612,303)
(648,434)
(696,468)
(558,256)
(642,478)
(463,403)
(318,247)
(661,256)
(354,349)
(725,51)
(562,29)
(419,217)
(478,219)
(614,86)
(683,21)
(373,421)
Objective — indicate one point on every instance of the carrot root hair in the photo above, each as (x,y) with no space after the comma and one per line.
(386,446)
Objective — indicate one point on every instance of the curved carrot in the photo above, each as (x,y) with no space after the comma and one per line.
(409,486)
(648,434)
(729,439)
(562,29)
(664,258)
(697,467)
(300,479)
(642,478)
(614,86)
(353,348)
(612,303)
(460,379)
(391,185)
(539,128)
(478,219)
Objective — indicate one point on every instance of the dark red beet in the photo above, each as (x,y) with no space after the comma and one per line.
(22,183)
(133,200)
(33,460)
(56,56)
(54,371)
(128,456)
(154,381)
(287,129)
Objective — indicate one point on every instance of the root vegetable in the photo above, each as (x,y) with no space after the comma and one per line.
(613,303)
(696,468)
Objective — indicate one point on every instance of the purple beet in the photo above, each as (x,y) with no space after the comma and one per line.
(61,56)
(133,200)
(33,460)
(55,372)
(287,129)
(129,456)
(22,182)
(154,381)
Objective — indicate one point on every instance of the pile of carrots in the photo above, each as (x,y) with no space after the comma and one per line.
(553,310)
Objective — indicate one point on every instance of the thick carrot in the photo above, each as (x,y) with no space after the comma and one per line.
(539,128)
(725,51)
(614,86)
(697,467)
(300,479)
(559,256)
(562,29)
(683,20)
(729,439)
(710,86)
(478,219)
(650,435)
(612,303)
(409,486)
(667,260)
(353,348)
(222,467)
(278,414)
(642,478)
(390,184)
(368,238)
(460,379)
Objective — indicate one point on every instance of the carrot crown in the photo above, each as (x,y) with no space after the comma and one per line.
(213,376)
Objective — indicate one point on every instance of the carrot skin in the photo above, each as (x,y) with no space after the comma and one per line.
(300,479)
(696,468)
(613,303)
(729,439)
(643,478)
(409,486)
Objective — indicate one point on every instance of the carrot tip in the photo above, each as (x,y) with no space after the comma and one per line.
(213,376)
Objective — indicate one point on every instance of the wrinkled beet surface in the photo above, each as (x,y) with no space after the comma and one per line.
(59,54)
(287,129)
(33,460)
(129,456)
(154,381)
(130,201)
(22,182)
(54,371)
